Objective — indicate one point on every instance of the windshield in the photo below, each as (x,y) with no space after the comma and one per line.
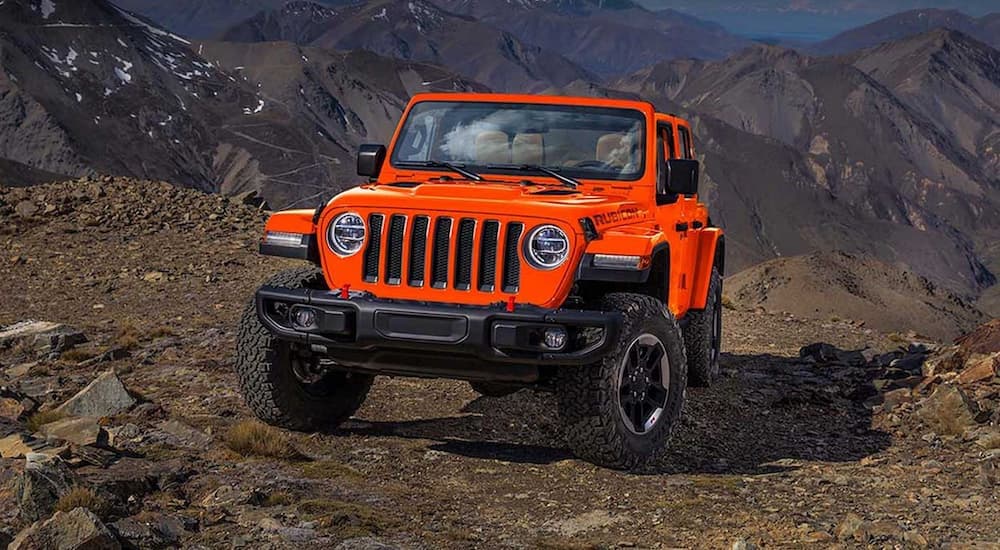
(579,142)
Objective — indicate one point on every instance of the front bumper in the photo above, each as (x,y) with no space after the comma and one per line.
(435,340)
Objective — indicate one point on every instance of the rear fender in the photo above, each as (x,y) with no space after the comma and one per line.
(711,253)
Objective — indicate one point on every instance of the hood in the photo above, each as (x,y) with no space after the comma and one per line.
(544,202)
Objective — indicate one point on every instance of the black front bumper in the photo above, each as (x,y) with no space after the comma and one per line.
(436,340)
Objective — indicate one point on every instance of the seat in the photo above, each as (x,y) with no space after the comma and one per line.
(614,149)
(492,147)
(528,149)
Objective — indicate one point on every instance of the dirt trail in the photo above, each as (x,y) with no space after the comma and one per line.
(780,454)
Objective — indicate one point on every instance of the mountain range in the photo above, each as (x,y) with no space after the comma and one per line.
(889,152)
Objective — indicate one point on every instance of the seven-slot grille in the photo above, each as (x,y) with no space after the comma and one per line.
(443,252)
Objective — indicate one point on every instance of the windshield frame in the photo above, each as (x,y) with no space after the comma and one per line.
(582,175)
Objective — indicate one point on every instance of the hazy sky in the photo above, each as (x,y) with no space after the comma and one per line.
(808,19)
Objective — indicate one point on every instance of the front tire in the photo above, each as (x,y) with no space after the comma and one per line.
(703,336)
(620,412)
(279,380)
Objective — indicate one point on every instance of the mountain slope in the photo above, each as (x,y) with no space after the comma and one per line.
(608,38)
(850,286)
(909,23)
(415,31)
(881,176)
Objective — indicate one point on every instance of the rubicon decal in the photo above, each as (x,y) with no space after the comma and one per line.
(616,216)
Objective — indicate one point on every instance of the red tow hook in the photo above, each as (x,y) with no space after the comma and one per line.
(511,300)
(345,292)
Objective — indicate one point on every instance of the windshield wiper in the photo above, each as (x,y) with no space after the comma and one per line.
(566,180)
(458,169)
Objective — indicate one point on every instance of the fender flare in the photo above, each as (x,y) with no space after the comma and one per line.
(711,253)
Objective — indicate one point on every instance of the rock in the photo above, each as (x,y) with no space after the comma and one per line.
(149,530)
(26,209)
(78,529)
(824,353)
(183,435)
(365,543)
(914,539)
(154,277)
(19,445)
(743,544)
(985,339)
(853,527)
(41,336)
(105,396)
(895,398)
(120,436)
(11,408)
(980,369)
(77,430)
(948,410)
(949,360)
(40,485)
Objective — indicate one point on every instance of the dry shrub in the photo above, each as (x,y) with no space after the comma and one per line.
(42,418)
(77,355)
(347,519)
(252,438)
(82,497)
(728,303)
(278,499)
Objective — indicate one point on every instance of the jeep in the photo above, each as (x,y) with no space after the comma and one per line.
(509,241)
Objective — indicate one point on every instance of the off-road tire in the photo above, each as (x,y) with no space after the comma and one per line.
(588,396)
(703,350)
(269,386)
(493,389)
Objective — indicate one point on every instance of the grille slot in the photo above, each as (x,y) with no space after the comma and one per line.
(463,256)
(418,251)
(442,242)
(394,255)
(488,256)
(511,259)
(374,249)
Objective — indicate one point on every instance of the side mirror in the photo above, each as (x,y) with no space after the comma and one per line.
(370,159)
(682,176)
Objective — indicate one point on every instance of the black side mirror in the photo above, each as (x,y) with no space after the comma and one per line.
(682,176)
(370,159)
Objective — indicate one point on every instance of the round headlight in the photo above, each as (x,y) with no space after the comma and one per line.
(547,247)
(346,234)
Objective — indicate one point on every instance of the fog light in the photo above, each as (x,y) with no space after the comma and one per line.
(303,318)
(555,338)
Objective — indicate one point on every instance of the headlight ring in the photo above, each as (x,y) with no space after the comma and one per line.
(547,247)
(346,234)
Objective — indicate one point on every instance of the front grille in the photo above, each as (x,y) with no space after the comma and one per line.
(444,252)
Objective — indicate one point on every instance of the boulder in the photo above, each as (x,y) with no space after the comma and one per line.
(42,336)
(105,396)
(949,410)
(985,339)
(823,353)
(83,430)
(149,530)
(980,369)
(39,486)
(78,529)
(19,445)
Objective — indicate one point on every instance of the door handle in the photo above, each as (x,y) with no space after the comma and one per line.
(697,225)
(681,227)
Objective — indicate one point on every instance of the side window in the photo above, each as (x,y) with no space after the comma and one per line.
(667,137)
(664,151)
(685,142)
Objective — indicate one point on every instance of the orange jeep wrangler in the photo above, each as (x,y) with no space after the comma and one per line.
(510,241)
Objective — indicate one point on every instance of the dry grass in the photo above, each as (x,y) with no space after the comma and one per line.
(82,497)
(728,303)
(252,438)
(278,499)
(42,418)
(161,332)
(347,519)
(77,355)
(127,338)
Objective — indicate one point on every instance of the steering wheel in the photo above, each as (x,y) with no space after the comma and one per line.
(592,164)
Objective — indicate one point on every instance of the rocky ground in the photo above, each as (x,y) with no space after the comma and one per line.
(121,424)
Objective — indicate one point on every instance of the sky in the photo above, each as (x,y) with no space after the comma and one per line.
(808,19)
